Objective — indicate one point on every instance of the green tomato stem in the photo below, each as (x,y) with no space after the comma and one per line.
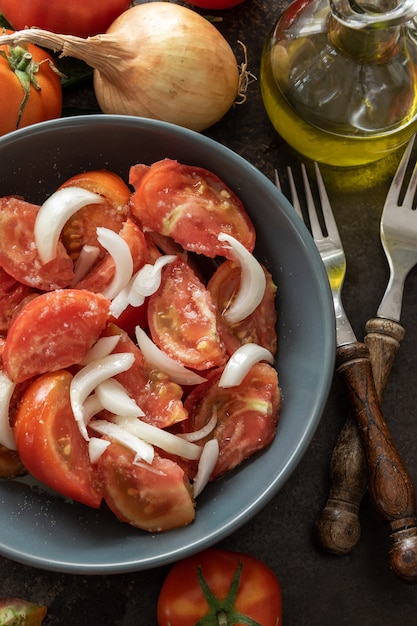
(21,63)
(223,612)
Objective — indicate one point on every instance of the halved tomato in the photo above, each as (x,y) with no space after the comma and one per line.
(53,331)
(49,442)
(182,319)
(247,415)
(260,326)
(154,497)
(189,204)
(20,258)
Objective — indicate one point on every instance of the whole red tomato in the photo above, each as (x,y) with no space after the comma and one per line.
(30,87)
(60,16)
(220,587)
(215,4)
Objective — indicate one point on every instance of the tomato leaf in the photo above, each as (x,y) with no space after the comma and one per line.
(4,23)
(15,611)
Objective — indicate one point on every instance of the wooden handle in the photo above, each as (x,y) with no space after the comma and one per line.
(338,527)
(383,339)
(389,484)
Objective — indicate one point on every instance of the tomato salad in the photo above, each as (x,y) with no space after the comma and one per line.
(137,340)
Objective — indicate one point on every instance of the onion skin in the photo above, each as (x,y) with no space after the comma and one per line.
(157,60)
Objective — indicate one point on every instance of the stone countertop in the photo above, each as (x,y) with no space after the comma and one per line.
(318,589)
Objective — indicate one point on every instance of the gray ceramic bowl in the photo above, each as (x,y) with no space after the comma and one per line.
(45,531)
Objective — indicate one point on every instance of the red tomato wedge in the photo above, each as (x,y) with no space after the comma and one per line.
(53,331)
(260,326)
(247,415)
(183,321)
(80,229)
(49,442)
(101,275)
(107,184)
(10,463)
(158,397)
(12,294)
(131,317)
(189,204)
(153,497)
(18,253)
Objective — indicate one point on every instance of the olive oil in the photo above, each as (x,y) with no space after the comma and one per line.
(338,96)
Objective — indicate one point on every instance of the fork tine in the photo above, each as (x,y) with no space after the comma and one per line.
(398,179)
(277,181)
(316,229)
(411,190)
(328,216)
(294,196)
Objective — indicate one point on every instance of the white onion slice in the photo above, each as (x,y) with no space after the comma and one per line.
(252,282)
(241,362)
(206,465)
(158,437)
(96,447)
(90,376)
(142,284)
(53,215)
(91,407)
(161,361)
(86,259)
(117,247)
(142,449)
(102,347)
(196,435)
(6,391)
(148,279)
(114,398)
(121,301)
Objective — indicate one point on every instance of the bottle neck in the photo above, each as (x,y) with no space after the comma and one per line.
(373,14)
(367,45)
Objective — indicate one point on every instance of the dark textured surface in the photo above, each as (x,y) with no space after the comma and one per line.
(318,589)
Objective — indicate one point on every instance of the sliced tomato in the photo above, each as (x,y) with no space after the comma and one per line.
(18,253)
(247,415)
(10,463)
(49,442)
(182,319)
(260,326)
(107,184)
(81,228)
(12,294)
(189,204)
(102,274)
(153,497)
(53,331)
(158,397)
(131,317)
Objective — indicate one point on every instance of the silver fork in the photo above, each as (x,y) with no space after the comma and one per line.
(390,486)
(338,528)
